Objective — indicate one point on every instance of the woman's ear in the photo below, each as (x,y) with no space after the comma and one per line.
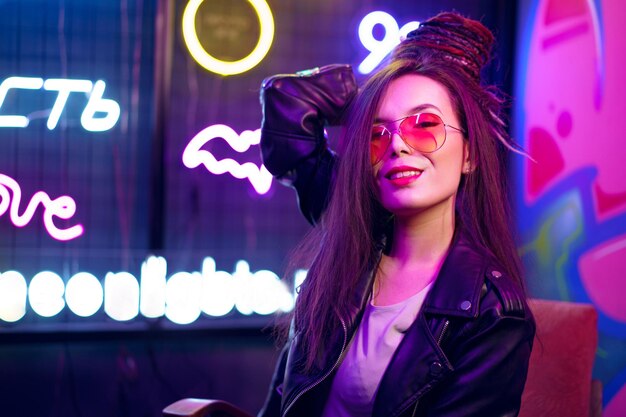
(467,163)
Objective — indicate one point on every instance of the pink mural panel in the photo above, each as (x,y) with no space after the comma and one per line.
(617,406)
(575,99)
(574,119)
(602,274)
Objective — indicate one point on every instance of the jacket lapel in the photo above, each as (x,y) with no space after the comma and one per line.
(296,382)
(416,366)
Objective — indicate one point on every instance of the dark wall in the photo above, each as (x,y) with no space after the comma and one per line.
(134,376)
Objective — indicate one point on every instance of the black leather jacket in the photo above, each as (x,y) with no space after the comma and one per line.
(467,352)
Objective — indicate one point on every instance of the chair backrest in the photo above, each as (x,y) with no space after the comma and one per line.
(559,375)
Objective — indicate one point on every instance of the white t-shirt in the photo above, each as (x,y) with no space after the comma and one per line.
(370,351)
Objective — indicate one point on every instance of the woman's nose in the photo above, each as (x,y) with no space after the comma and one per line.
(398,145)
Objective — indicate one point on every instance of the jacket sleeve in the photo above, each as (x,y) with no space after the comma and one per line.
(294,148)
(490,368)
(273,401)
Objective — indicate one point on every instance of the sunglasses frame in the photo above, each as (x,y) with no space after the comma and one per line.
(399,132)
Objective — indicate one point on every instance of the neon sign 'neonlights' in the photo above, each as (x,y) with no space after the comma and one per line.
(182,298)
(64,87)
(193,156)
(379,49)
(266,22)
(62,207)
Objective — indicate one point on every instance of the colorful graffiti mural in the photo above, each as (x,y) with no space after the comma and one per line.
(571,200)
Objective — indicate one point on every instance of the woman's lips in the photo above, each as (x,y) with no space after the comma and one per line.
(403,177)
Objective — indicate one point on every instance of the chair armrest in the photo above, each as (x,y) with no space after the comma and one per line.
(194,407)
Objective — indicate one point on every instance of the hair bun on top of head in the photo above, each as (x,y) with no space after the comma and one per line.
(461,40)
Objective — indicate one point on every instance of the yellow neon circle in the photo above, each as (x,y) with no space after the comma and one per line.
(212,64)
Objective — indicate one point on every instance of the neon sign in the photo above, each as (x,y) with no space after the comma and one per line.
(202,57)
(379,49)
(64,87)
(182,298)
(193,156)
(63,207)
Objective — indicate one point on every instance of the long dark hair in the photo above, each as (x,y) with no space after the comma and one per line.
(345,247)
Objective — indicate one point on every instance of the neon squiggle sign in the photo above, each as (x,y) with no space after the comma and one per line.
(63,207)
(64,87)
(379,49)
(194,156)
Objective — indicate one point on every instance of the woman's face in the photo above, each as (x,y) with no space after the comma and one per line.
(409,181)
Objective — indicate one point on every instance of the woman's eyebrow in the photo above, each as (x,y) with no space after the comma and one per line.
(417,109)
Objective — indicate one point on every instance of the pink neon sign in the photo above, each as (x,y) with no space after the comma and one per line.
(193,156)
(62,207)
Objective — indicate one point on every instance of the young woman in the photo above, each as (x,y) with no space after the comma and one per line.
(413,304)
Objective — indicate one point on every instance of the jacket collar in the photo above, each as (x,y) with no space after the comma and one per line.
(463,270)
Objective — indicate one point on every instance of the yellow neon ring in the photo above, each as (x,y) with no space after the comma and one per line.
(212,64)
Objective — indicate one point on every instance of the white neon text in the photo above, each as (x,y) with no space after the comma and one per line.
(63,207)
(23,83)
(45,293)
(83,294)
(379,49)
(64,87)
(193,156)
(13,293)
(182,298)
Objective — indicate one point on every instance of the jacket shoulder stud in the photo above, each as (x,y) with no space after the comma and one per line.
(436,369)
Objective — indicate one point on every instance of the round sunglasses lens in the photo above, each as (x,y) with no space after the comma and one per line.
(378,143)
(424,132)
